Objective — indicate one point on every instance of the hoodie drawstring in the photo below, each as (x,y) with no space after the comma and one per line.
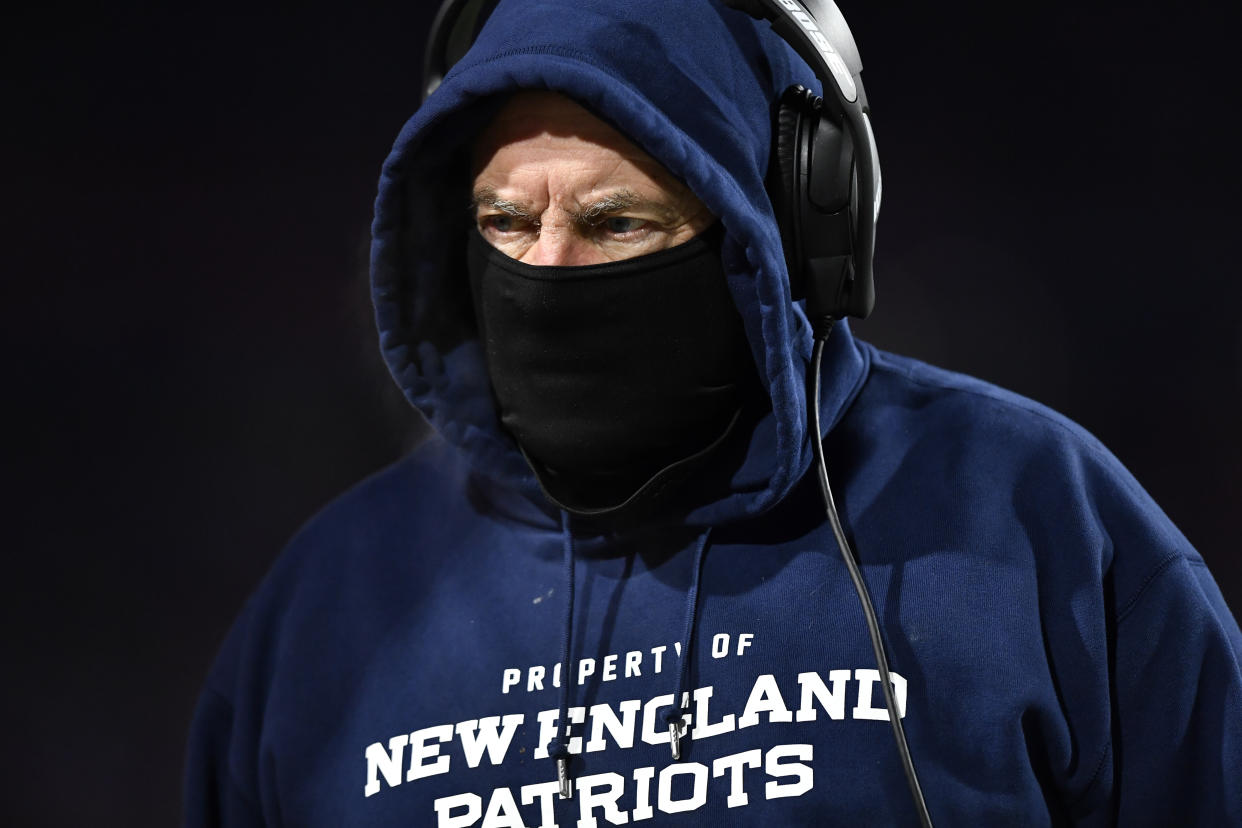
(558,747)
(675,717)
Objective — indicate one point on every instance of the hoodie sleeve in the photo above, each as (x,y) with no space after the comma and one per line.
(1139,717)
(1178,742)
(222,780)
(212,798)
(1146,656)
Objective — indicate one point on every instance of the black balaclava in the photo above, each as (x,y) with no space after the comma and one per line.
(613,377)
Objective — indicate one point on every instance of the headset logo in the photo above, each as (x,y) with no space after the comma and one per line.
(840,72)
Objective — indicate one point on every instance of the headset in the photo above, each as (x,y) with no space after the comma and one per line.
(824,180)
(825,187)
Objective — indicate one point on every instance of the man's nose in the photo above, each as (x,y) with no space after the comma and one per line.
(561,247)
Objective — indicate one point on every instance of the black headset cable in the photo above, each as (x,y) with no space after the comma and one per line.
(823,328)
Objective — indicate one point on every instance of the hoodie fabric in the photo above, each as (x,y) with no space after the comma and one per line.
(1061,653)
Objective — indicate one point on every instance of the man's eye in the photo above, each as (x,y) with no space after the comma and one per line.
(501,223)
(621,225)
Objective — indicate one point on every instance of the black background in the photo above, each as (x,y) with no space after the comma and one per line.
(191,372)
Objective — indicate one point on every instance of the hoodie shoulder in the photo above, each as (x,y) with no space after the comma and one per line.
(955,401)
(386,522)
(980,403)
(1008,458)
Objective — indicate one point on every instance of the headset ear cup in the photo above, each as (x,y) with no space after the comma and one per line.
(783,179)
(786,158)
(813,190)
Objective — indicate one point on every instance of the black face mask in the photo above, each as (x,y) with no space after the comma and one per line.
(612,377)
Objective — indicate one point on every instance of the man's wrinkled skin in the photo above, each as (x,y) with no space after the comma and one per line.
(555,185)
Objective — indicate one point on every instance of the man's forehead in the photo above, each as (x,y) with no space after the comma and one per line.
(537,126)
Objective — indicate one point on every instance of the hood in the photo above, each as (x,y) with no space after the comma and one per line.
(692,83)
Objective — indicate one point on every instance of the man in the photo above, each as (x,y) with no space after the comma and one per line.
(605,591)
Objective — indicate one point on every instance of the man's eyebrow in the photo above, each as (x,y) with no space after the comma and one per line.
(618,202)
(588,214)
(488,197)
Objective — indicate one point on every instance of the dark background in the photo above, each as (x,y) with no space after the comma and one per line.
(191,372)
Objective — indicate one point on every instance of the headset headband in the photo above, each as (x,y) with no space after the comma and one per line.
(452,32)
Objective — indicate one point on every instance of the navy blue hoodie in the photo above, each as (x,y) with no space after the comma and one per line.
(1061,653)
